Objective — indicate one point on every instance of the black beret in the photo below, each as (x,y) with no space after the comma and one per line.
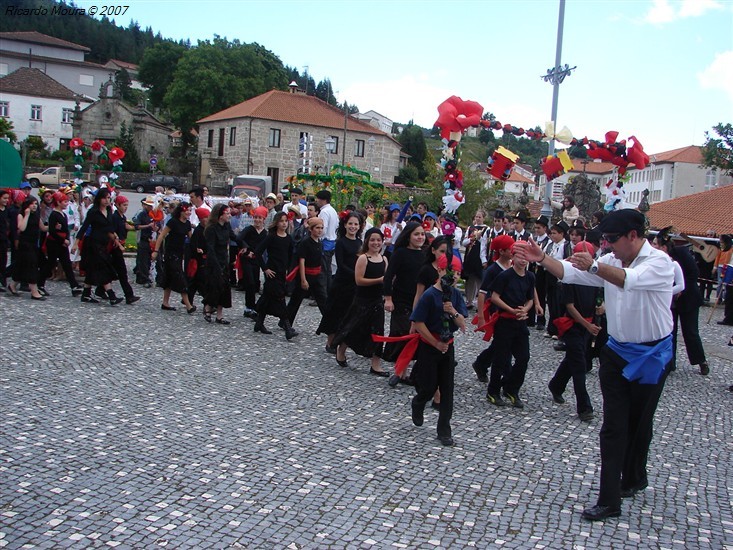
(622,221)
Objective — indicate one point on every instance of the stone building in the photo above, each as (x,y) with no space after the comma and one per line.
(103,120)
(281,134)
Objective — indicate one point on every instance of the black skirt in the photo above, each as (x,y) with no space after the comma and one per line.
(25,265)
(364,318)
(399,325)
(218,291)
(338,303)
(172,275)
(96,262)
(272,299)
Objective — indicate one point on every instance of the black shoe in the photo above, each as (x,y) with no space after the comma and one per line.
(586,416)
(132,300)
(76,291)
(480,374)
(495,400)
(514,400)
(628,492)
(342,363)
(382,373)
(724,322)
(417,416)
(191,310)
(222,321)
(704,368)
(167,308)
(435,405)
(42,291)
(556,397)
(599,513)
(559,346)
(393,381)
(446,440)
(39,298)
(260,327)
(330,349)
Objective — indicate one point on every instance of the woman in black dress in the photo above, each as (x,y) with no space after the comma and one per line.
(57,241)
(308,279)
(99,239)
(122,226)
(25,265)
(348,245)
(279,248)
(400,283)
(218,233)
(175,233)
(249,239)
(4,236)
(366,314)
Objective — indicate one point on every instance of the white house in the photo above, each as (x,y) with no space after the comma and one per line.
(37,105)
(373,118)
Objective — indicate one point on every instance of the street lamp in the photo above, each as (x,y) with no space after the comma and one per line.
(330,148)
(372,141)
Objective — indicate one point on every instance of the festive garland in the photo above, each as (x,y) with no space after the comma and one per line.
(456,115)
(99,154)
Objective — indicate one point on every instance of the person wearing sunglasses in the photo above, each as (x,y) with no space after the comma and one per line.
(637,282)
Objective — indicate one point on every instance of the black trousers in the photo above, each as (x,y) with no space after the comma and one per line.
(316,290)
(628,417)
(326,274)
(142,267)
(3,264)
(688,320)
(118,261)
(541,286)
(511,339)
(574,365)
(435,370)
(554,304)
(59,253)
(485,358)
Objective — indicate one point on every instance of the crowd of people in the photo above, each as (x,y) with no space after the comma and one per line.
(600,289)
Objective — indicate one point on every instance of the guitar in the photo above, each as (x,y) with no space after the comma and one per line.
(707,251)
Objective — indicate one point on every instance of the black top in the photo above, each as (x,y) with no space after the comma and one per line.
(101,226)
(250,239)
(58,227)
(582,297)
(13,211)
(400,281)
(4,228)
(311,251)
(120,223)
(512,288)
(143,218)
(198,241)
(346,252)
(427,276)
(279,253)
(217,244)
(429,309)
(691,297)
(374,270)
(32,231)
(175,241)
(491,272)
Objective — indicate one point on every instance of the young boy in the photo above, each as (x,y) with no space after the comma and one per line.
(512,292)
(436,319)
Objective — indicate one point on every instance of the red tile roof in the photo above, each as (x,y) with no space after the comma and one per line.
(591,167)
(691,154)
(295,108)
(516,176)
(122,64)
(38,38)
(695,214)
(34,82)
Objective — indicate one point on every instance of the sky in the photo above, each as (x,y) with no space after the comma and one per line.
(660,70)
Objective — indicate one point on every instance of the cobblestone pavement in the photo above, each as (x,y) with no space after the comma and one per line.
(132,427)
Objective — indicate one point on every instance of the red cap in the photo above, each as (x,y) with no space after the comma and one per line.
(584,246)
(455,263)
(202,213)
(121,199)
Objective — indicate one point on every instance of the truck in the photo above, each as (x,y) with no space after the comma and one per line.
(254,186)
(54,176)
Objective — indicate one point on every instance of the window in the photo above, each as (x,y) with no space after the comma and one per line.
(274,140)
(232,136)
(86,80)
(4,108)
(210,139)
(36,112)
(67,116)
(359,148)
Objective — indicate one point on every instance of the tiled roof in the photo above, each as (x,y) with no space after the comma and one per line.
(690,154)
(592,167)
(295,108)
(122,64)
(695,214)
(38,38)
(34,82)
(516,176)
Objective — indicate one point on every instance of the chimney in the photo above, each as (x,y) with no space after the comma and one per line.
(293,87)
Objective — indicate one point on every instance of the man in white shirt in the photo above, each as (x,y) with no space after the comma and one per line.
(330,224)
(197,200)
(637,281)
(296,193)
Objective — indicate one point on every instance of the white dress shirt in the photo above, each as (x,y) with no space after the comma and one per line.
(330,222)
(640,311)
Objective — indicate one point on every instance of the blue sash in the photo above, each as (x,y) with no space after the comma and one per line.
(645,363)
(328,245)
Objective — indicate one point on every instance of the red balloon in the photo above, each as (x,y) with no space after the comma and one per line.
(455,115)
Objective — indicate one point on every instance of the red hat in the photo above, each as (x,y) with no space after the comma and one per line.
(121,199)
(202,213)
(455,264)
(59,197)
(502,242)
(584,246)
(260,211)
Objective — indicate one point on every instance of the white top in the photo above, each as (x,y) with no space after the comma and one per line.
(330,221)
(302,207)
(679,279)
(193,218)
(639,312)
(556,250)
(395,228)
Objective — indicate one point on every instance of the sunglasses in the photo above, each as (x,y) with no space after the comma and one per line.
(612,237)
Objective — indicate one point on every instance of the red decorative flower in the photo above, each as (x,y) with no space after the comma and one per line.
(115,154)
(455,115)
(76,143)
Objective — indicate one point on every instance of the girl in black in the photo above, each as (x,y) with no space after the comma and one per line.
(279,248)
(366,314)
(218,233)
(400,283)
(309,255)
(25,266)
(57,241)
(118,253)
(196,269)
(4,236)
(342,289)
(175,233)
(96,258)
(249,239)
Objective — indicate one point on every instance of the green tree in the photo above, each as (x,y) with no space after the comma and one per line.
(124,85)
(157,68)
(413,143)
(126,141)
(6,130)
(409,175)
(717,153)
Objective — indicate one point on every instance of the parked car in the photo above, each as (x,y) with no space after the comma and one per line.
(148,185)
